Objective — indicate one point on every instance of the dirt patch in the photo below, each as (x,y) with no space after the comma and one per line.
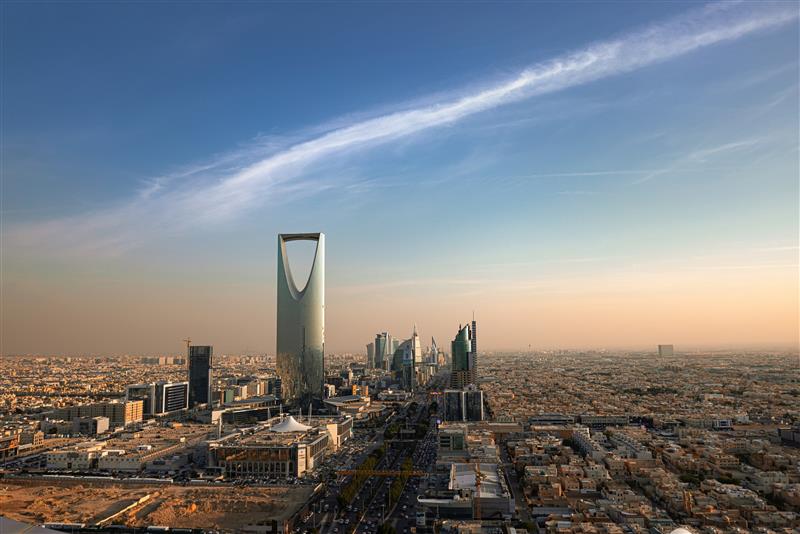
(221,508)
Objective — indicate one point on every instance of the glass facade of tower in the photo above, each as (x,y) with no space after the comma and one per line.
(381,349)
(370,355)
(464,354)
(300,351)
(460,349)
(200,362)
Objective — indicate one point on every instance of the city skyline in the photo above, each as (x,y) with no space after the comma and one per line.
(607,181)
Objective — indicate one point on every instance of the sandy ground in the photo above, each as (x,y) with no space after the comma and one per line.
(222,508)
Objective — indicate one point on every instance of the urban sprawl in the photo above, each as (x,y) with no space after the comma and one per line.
(407,436)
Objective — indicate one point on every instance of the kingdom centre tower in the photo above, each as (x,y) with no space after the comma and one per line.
(300,350)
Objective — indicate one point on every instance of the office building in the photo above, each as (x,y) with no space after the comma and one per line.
(453,405)
(473,353)
(370,355)
(433,353)
(145,393)
(200,362)
(274,386)
(473,404)
(118,413)
(385,347)
(90,426)
(463,358)
(463,404)
(171,397)
(300,350)
(665,350)
(398,358)
(159,398)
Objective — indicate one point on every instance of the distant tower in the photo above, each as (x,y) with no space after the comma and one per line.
(474,350)
(383,350)
(300,350)
(200,362)
(370,355)
(464,355)
(665,350)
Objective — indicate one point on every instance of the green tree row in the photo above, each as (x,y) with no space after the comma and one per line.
(350,491)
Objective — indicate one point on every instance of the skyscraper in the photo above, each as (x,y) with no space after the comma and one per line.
(370,355)
(464,357)
(301,325)
(383,350)
(473,365)
(200,362)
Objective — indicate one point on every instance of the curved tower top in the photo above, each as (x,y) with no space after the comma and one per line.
(300,351)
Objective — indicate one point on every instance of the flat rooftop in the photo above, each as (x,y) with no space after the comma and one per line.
(463,475)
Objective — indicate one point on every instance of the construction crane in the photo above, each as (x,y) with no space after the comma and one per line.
(381,472)
(477,498)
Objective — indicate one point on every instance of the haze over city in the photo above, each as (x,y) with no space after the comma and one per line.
(399,267)
(625,177)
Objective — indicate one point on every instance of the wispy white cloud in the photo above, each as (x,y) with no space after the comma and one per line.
(577,193)
(705,153)
(234,184)
(686,162)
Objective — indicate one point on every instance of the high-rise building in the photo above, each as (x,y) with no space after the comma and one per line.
(398,357)
(473,404)
(407,362)
(385,347)
(171,397)
(463,404)
(473,353)
(463,371)
(370,355)
(433,353)
(301,325)
(453,405)
(666,350)
(200,362)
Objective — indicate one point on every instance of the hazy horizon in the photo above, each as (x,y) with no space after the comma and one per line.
(580,175)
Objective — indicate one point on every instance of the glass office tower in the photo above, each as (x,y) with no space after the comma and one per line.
(200,361)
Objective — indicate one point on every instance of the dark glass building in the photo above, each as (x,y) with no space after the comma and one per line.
(171,397)
(200,362)
(464,358)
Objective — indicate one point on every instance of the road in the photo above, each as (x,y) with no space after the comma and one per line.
(521,507)
(371,505)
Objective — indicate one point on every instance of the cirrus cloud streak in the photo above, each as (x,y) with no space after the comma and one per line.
(237,183)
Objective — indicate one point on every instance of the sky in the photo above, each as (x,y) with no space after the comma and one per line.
(578,175)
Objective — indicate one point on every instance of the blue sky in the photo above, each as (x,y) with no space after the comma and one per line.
(551,166)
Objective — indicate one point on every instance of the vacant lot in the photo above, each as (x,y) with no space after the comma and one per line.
(221,508)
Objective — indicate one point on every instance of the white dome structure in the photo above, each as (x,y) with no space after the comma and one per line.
(289,424)
(681,530)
